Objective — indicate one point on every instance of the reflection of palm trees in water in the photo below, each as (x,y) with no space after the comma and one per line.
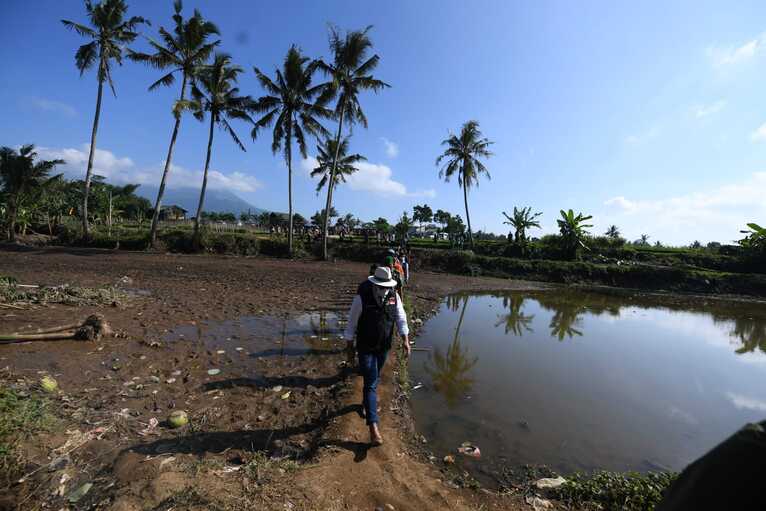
(752,333)
(449,373)
(564,320)
(566,313)
(515,321)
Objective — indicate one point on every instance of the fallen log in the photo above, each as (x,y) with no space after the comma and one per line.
(92,329)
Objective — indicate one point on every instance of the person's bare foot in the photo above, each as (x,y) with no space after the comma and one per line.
(375,438)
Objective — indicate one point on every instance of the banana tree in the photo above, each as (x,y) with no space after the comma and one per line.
(573,232)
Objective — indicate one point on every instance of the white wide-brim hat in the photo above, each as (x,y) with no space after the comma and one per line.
(382,277)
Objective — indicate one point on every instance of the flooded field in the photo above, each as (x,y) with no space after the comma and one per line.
(583,381)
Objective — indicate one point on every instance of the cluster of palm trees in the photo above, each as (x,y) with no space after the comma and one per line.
(293,104)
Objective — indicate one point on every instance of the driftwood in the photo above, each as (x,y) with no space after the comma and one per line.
(92,329)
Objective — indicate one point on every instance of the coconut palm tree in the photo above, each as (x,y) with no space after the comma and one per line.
(291,105)
(326,156)
(109,32)
(462,157)
(613,232)
(214,92)
(522,220)
(349,75)
(20,176)
(183,51)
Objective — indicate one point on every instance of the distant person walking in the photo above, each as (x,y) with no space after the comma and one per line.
(375,311)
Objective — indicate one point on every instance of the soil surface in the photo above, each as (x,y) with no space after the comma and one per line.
(250,349)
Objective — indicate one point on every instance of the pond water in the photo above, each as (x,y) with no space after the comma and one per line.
(582,381)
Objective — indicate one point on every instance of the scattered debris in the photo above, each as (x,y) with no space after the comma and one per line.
(549,482)
(49,384)
(449,459)
(79,493)
(286,395)
(178,418)
(468,449)
(213,372)
(539,504)
(417,386)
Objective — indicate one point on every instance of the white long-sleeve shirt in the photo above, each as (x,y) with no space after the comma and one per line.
(356,312)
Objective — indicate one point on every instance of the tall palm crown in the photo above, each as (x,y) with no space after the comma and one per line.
(350,74)
(346,162)
(20,174)
(214,92)
(292,106)
(463,157)
(109,33)
(184,51)
(291,103)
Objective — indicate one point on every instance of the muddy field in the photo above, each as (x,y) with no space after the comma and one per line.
(250,349)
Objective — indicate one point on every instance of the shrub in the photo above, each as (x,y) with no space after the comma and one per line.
(629,491)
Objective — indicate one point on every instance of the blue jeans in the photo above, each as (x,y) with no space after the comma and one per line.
(371,366)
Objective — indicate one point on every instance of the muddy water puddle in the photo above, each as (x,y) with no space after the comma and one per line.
(583,381)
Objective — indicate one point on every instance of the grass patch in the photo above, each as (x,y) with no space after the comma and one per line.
(21,416)
(188,498)
(630,491)
(262,469)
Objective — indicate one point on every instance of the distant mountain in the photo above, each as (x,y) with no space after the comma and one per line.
(218,201)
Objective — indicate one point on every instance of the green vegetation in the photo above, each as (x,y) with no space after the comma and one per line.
(293,103)
(23,180)
(262,469)
(629,491)
(214,92)
(463,157)
(22,414)
(350,74)
(326,152)
(573,232)
(109,34)
(186,50)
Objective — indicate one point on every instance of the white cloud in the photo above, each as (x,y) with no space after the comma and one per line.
(373,178)
(309,164)
(49,105)
(725,56)
(123,170)
(746,403)
(759,135)
(377,179)
(392,148)
(701,111)
(713,215)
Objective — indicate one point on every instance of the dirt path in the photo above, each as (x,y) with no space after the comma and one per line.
(235,415)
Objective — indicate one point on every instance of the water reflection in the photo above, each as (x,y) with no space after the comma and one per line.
(751,332)
(515,322)
(568,310)
(650,381)
(449,372)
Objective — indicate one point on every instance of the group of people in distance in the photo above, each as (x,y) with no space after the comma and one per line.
(376,312)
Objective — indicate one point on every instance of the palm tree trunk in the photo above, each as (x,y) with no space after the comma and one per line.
(467,216)
(165,172)
(328,205)
(290,189)
(89,171)
(197,219)
(109,217)
(13,212)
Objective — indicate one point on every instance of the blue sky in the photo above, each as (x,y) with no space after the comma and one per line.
(648,115)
